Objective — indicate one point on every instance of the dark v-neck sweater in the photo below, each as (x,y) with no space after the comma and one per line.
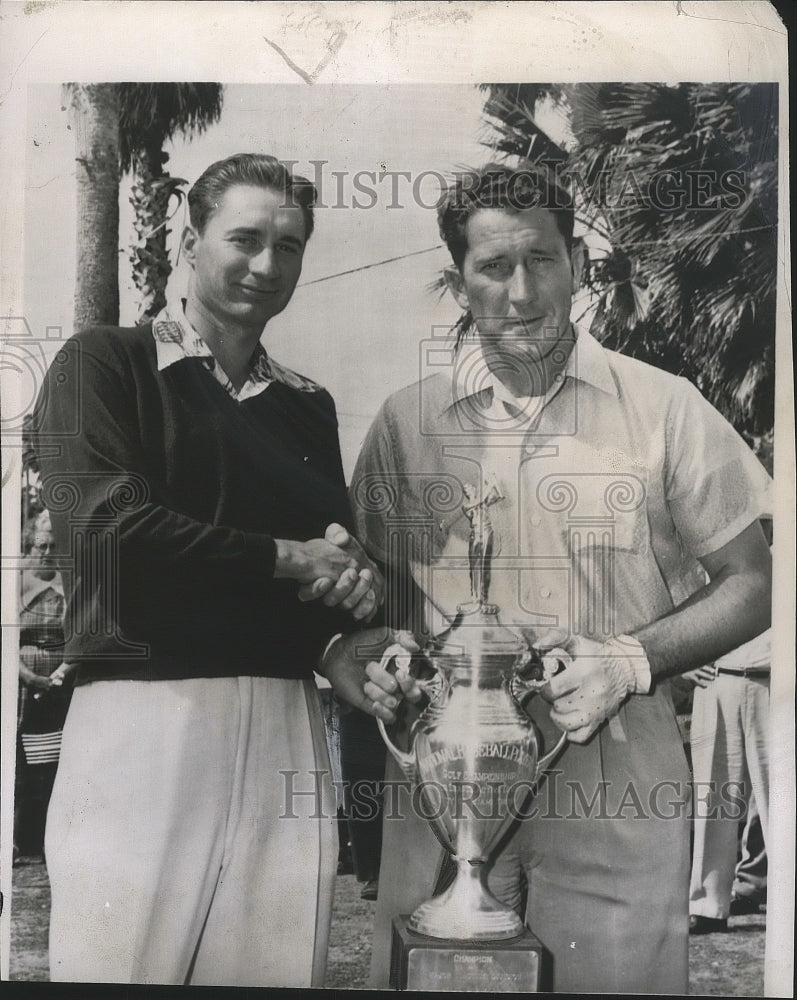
(166,496)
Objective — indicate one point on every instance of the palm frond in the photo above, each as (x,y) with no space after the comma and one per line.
(689,286)
(153,113)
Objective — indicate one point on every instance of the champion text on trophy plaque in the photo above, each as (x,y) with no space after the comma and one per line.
(471,750)
(434,964)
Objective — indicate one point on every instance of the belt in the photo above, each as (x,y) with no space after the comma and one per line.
(746,672)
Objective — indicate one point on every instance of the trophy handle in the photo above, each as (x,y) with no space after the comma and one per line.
(553,661)
(543,762)
(406,761)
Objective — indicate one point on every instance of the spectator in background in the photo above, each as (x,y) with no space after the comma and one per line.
(730,747)
(750,879)
(44,687)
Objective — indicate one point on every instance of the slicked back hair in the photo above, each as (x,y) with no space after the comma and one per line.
(253,170)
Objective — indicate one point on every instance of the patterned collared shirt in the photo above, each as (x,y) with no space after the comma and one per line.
(176,339)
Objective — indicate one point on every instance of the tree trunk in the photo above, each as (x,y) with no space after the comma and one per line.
(96,124)
(152,191)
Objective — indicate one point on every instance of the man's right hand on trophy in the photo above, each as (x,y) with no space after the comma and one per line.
(596,679)
(373,685)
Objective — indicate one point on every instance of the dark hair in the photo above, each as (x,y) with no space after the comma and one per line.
(255,170)
(498,186)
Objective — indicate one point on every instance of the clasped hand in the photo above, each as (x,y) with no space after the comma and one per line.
(360,679)
(335,569)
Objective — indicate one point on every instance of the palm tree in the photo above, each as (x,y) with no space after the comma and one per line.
(95,122)
(150,115)
(681,184)
(120,128)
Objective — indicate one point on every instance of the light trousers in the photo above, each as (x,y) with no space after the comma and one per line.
(191,834)
(730,761)
(750,876)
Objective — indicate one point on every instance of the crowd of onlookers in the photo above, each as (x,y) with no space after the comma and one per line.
(723,709)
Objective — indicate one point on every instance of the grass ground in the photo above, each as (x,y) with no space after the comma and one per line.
(728,965)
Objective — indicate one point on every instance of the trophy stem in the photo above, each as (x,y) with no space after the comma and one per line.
(467,910)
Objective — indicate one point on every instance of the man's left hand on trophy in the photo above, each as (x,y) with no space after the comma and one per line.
(350,666)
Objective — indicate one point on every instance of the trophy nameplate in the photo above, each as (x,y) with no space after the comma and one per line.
(433,965)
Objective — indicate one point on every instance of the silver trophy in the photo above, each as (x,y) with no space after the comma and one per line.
(474,752)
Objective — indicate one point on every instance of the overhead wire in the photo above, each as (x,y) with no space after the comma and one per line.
(439,246)
(366,267)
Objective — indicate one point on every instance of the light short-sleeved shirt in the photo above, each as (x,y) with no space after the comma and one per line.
(614,485)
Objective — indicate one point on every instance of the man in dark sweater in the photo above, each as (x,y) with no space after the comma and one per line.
(199,506)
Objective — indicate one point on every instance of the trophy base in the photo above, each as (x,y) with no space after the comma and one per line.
(436,964)
(466,911)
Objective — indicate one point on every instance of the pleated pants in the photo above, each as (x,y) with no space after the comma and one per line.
(191,834)
(730,758)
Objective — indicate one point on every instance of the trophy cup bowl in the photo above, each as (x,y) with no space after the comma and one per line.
(475,756)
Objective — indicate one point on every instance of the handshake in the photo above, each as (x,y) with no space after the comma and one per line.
(334,569)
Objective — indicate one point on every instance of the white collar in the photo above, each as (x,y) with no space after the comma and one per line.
(587,362)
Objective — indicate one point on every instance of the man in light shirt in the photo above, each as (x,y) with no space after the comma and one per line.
(619,481)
